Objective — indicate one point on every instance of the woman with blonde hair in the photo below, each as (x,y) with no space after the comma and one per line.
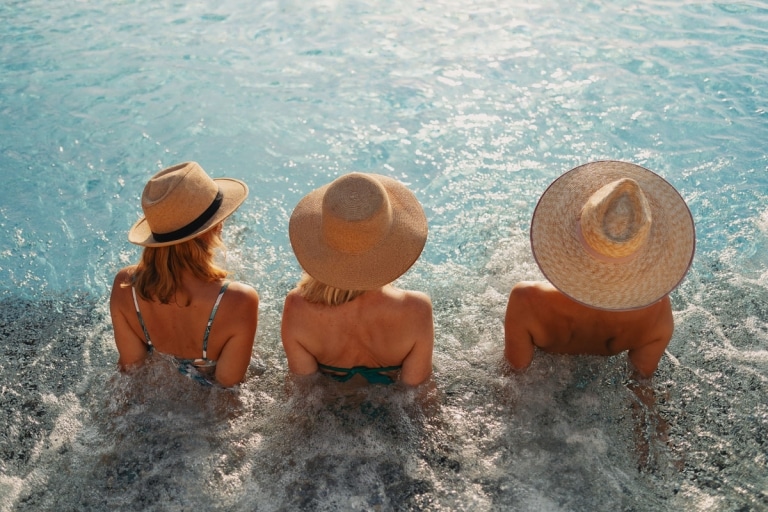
(176,291)
(353,238)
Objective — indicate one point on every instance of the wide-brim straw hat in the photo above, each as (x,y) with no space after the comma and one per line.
(613,235)
(359,232)
(183,202)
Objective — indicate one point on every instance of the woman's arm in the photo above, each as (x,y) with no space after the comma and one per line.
(300,361)
(518,342)
(647,352)
(235,356)
(132,348)
(417,365)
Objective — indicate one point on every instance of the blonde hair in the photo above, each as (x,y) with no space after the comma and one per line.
(158,274)
(320,293)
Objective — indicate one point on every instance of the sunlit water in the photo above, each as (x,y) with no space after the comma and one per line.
(477,106)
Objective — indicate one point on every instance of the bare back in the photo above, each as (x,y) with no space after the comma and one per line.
(178,330)
(538,314)
(380,328)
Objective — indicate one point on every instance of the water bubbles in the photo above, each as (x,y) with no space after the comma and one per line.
(477,107)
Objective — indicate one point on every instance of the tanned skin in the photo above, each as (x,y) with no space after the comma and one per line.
(538,315)
(382,327)
(177,328)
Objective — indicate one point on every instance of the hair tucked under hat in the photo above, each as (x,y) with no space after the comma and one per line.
(359,232)
(613,235)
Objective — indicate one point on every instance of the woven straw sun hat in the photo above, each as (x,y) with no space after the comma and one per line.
(613,235)
(183,202)
(359,232)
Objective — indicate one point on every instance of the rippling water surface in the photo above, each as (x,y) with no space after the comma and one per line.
(477,106)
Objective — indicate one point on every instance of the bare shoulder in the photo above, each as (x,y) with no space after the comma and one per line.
(242,290)
(295,309)
(534,295)
(242,294)
(299,319)
(413,303)
(123,276)
(294,300)
(121,285)
(533,290)
(416,298)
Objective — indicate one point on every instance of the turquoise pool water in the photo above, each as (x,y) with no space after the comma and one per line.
(477,106)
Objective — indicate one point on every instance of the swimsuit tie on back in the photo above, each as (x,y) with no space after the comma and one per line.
(372,375)
(189,367)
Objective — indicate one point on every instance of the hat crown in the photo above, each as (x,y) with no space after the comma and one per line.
(177,196)
(356,213)
(616,220)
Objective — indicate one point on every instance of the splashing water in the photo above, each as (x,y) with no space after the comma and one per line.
(477,106)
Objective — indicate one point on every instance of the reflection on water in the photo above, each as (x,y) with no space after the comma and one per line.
(477,106)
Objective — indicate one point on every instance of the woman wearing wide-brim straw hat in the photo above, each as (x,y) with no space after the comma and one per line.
(613,240)
(353,238)
(176,301)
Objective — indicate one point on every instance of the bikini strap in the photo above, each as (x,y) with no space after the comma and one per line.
(210,319)
(141,319)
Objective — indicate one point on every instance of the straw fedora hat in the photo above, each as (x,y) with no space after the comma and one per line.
(182,202)
(359,232)
(613,235)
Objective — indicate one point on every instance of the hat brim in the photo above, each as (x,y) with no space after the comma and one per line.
(233,193)
(656,270)
(390,258)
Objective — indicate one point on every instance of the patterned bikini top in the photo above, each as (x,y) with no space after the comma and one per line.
(201,369)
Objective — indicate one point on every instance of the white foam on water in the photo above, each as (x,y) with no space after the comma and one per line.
(477,107)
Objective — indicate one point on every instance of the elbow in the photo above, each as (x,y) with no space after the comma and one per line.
(642,372)
(227,382)
(415,379)
(518,360)
(414,382)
